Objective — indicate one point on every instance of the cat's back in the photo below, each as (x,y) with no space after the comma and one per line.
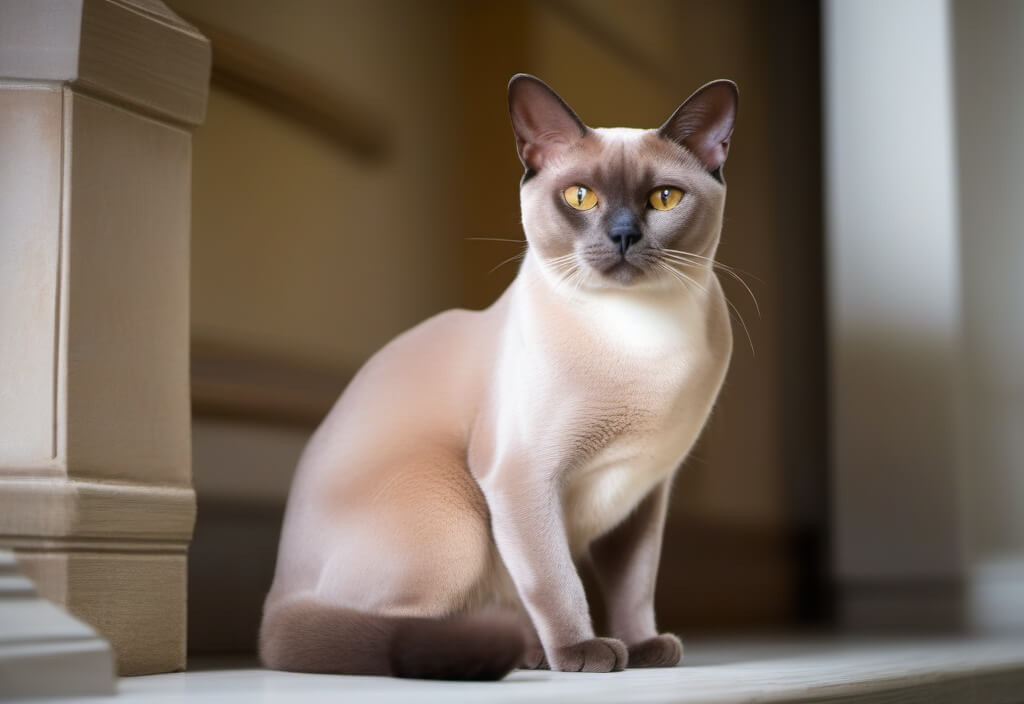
(423,382)
(398,429)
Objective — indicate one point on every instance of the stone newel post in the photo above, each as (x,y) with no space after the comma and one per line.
(98,99)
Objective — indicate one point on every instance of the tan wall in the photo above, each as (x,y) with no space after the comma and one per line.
(299,250)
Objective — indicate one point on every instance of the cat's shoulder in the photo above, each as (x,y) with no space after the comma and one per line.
(447,332)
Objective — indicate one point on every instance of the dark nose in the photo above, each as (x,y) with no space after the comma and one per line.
(624,230)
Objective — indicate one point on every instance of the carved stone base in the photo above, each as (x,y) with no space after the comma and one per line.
(44,652)
(113,555)
(97,102)
(147,629)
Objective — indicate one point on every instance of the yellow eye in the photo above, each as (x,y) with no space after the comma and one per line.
(665,198)
(580,197)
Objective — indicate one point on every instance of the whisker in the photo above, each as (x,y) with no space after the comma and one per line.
(571,256)
(561,266)
(510,259)
(683,257)
(564,266)
(677,275)
(688,278)
(750,293)
(493,239)
(579,280)
(734,309)
(568,278)
(750,340)
(712,259)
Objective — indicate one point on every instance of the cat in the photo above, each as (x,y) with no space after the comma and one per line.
(438,515)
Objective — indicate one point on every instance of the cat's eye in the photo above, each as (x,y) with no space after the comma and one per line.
(665,198)
(580,197)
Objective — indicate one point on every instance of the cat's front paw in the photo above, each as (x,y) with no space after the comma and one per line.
(665,650)
(534,658)
(594,655)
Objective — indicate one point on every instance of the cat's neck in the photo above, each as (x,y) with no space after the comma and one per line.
(653,319)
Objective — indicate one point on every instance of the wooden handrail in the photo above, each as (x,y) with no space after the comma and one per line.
(240,384)
(585,20)
(248,70)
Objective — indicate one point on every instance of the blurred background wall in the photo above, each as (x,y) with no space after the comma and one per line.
(988,42)
(351,152)
(924,162)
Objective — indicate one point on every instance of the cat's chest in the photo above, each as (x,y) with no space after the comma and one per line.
(644,391)
(640,330)
(619,459)
(619,350)
(616,393)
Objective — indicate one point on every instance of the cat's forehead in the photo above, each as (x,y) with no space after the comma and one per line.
(622,135)
(628,141)
(617,152)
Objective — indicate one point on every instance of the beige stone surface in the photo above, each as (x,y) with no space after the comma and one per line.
(30,213)
(127,328)
(95,453)
(136,600)
(44,509)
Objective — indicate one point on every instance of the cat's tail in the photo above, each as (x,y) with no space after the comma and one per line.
(306,636)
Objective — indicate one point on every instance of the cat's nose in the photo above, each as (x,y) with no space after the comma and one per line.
(624,230)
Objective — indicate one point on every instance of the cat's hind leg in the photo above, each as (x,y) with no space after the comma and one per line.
(405,582)
(308,636)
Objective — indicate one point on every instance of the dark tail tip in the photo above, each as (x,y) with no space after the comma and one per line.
(479,646)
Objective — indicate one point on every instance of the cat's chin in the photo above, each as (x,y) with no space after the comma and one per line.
(620,275)
(623,273)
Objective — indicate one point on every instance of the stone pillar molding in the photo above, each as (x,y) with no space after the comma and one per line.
(98,99)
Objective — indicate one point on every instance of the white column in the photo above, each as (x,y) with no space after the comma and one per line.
(97,102)
(989,53)
(925,166)
(893,270)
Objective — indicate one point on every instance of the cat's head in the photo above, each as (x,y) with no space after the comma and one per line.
(616,207)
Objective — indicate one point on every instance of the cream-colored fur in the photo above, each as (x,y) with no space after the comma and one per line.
(478,456)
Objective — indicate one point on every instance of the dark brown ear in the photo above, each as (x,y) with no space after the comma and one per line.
(703,124)
(543,123)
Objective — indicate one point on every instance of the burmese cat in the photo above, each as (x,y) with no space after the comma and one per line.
(438,514)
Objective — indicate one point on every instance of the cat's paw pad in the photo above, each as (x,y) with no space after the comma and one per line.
(665,650)
(594,655)
(534,659)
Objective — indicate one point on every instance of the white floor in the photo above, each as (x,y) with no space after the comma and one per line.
(895,671)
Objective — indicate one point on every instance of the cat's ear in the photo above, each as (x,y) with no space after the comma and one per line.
(544,125)
(703,124)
